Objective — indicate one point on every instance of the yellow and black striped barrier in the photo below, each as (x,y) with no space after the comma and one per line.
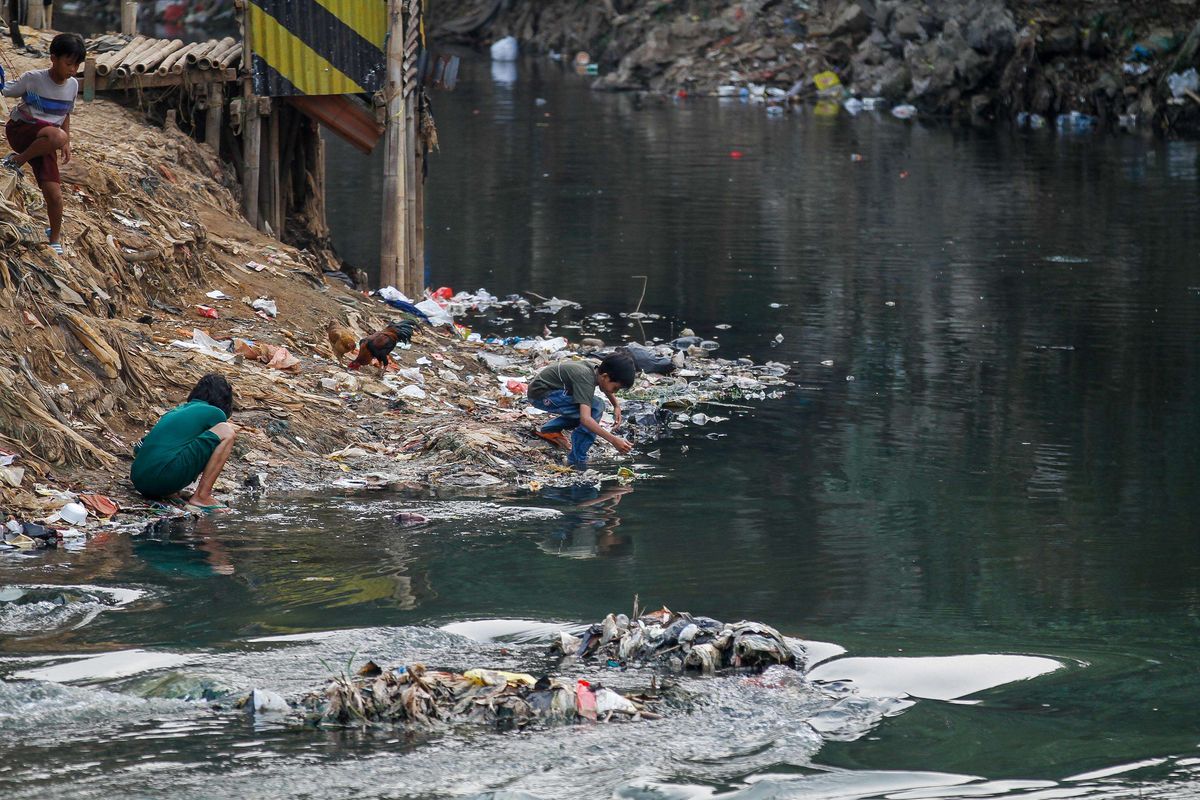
(318,47)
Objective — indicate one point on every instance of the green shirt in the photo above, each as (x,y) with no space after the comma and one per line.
(176,449)
(576,378)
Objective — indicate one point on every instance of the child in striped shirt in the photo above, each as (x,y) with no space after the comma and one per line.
(40,125)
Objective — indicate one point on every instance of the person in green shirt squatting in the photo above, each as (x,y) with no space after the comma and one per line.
(190,440)
(568,389)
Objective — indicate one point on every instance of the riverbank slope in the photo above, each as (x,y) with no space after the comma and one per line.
(157,287)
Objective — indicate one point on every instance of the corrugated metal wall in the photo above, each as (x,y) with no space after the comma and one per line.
(318,47)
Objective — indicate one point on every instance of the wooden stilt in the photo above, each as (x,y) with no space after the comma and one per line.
(419,213)
(319,223)
(213,117)
(416,270)
(35,15)
(129,17)
(251,155)
(273,204)
(393,266)
(89,79)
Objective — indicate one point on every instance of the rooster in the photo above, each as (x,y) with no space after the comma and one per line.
(379,345)
(342,340)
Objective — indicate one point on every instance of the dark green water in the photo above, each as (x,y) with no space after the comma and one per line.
(988,500)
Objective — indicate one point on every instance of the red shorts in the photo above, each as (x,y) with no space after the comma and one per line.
(21,135)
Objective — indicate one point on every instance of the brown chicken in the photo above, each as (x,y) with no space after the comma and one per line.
(379,345)
(342,340)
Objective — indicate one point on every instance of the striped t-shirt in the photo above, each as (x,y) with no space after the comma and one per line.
(42,100)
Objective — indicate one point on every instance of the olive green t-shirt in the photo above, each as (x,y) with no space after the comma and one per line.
(577,378)
(176,449)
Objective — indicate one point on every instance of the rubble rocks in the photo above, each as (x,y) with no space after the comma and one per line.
(971,60)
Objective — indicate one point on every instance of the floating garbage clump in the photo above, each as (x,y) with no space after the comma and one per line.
(680,642)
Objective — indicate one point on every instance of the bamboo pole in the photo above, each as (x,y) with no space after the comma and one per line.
(129,17)
(204,54)
(416,270)
(213,57)
(419,211)
(274,213)
(149,61)
(193,57)
(393,266)
(212,119)
(106,62)
(125,66)
(252,156)
(174,62)
(231,57)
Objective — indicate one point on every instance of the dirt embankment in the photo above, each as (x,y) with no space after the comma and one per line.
(974,60)
(161,275)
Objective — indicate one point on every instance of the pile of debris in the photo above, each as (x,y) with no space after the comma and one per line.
(414,695)
(680,642)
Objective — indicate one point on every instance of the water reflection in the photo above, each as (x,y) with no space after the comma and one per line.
(590,529)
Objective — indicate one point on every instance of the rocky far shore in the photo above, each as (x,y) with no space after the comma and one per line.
(1107,62)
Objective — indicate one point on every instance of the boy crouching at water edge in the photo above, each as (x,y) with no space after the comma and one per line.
(40,125)
(194,439)
(568,389)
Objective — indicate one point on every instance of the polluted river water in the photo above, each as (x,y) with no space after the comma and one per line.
(977,506)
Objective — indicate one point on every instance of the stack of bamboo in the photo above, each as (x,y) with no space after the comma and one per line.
(169,56)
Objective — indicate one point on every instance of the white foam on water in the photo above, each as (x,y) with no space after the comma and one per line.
(105,666)
(933,677)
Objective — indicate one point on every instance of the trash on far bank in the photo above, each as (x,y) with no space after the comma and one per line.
(1035,122)
(505,49)
(904,111)
(265,305)
(680,642)
(1181,83)
(828,84)
(1075,122)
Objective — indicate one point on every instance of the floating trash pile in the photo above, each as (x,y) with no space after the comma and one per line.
(415,695)
(681,642)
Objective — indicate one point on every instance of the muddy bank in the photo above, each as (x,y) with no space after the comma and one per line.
(976,61)
(162,281)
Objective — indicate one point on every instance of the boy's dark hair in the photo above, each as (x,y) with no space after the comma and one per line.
(619,367)
(68,44)
(214,390)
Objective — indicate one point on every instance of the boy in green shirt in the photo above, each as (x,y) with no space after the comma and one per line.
(194,439)
(568,389)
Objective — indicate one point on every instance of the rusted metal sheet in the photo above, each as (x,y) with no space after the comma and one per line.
(343,115)
(317,47)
